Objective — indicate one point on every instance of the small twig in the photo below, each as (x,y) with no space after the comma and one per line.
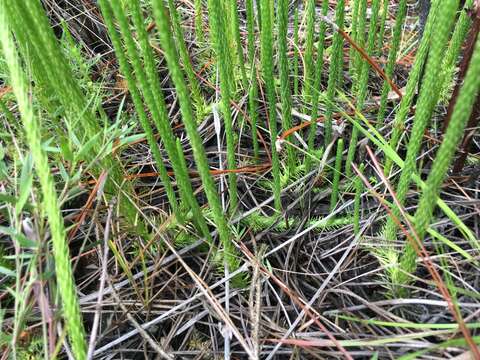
(98,306)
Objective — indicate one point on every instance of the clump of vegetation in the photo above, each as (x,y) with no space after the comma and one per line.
(167,166)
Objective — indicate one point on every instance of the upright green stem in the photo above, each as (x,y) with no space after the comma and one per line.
(199,34)
(392,57)
(187,62)
(316,86)
(58,79)
(310,32)
(363,84)
(336,175)
(335,65)
(426,103)
(413,79)
(381,26)
(63,270)
(221,48)
(353,34)
(296,55)
(462,26)
(107,8)
(267,70)
(359,39)
(285,94)
(252,92)
(461,113)
(238,42)
(166,40)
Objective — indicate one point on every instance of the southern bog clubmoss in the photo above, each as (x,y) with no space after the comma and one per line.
(224,127)
(50,204)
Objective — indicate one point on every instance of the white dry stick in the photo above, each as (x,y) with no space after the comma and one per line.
(98,307)
(226,332)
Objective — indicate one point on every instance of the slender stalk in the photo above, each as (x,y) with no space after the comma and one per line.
(353,34)
(309,66)
(238,42)
(149,84)
(199,34)
(61,253)
(161,119)
(221,46)
(359,189)
(360,39)
(443,159)
(462,26)
(336,175)
(381,26)
(267,70)
(296,55)
(115,7)
(285,93)
(187,62)
(392,57)
(428,99)
(363,84)
(335,65)
(166,40)
(316,86)
(413,79)
(253,90)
